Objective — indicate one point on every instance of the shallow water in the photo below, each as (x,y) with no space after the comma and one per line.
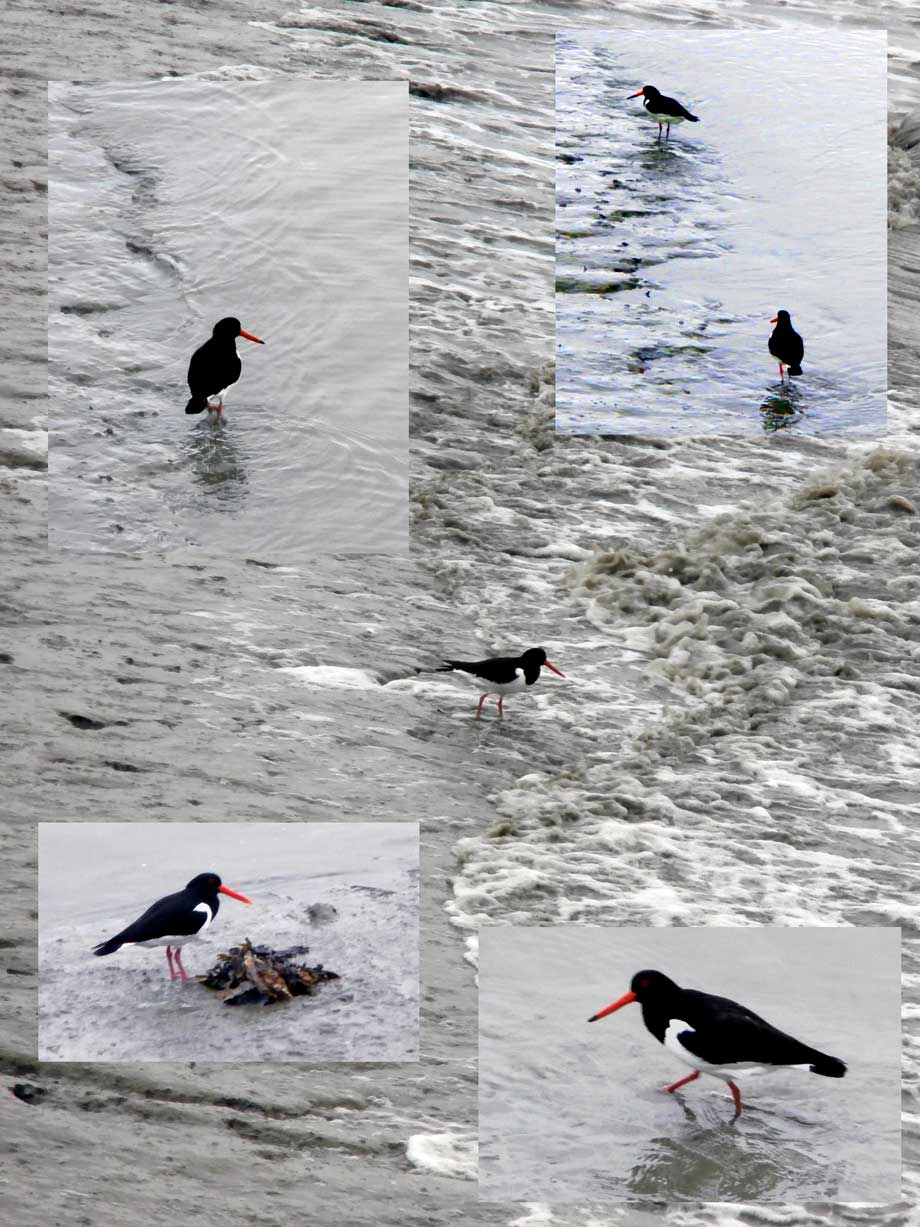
(568,1109)
(173,204)
(673,255)
(637,788)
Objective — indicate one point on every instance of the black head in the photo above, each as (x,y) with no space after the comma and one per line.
(207,886)
(230,326)
(532,661)
(649,91)
(783,317)
(651,986)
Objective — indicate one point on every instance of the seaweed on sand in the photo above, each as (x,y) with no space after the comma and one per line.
(259,975)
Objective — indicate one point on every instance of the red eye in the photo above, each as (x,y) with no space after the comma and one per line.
(644,983)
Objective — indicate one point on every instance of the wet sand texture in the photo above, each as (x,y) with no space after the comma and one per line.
(95,878)
(751,760)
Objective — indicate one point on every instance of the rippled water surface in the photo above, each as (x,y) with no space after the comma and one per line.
(673,255)
(736,740)
(569,1108)
(173,204)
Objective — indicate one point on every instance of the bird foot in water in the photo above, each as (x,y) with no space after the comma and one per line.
(680,1082)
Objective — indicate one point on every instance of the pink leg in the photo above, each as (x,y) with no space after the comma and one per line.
(668,136)
(178,957)
(682,1081)
(501,699)
(736,1095)
(659,131)
(482,699)
(172,974)
(781,374)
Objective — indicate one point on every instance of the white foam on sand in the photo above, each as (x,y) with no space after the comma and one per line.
(333,676)
(446,1154)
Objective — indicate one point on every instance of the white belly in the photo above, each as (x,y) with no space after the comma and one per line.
(175,942)
(725,1072)
(667,119)
(501,687)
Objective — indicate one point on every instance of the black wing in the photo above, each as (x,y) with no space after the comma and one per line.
(211,369)
(170,916)
(729,1033)
(673,107)
(495,669)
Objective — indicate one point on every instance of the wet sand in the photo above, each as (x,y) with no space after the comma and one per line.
(159,688)
(348,891)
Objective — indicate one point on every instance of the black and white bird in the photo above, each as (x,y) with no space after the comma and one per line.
(215,366)
(502,675)
(664,110)
(174,921)
(785,344)
(714,1035)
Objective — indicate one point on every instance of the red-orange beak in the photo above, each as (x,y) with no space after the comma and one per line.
(616,1005)
(258,341)
(225,890)
(547,665)
(775,319)
(640,94)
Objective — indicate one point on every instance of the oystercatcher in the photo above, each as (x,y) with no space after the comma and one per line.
(175,920)
(215,366)
(714,1035)
(664,110)
(785,344)
(502,675)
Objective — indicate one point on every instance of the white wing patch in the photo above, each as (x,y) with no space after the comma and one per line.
(517,683)
(207,913)
(672,1042)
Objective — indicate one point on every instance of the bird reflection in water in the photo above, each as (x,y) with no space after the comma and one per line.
(709,1164)
(215,461)
(782,407)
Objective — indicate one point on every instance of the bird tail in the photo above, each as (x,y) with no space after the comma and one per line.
(197,404)
(109,947)
(793,370)
(450,665)
(694,119)
(830,1067)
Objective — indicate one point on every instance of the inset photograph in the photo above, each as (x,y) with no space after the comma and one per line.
(228,316)
(721,232)
(228,941)
(715,1064)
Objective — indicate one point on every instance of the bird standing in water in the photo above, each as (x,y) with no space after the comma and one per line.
(664,110)
(215,366)
(502,675)
(714,1035)
(785,344)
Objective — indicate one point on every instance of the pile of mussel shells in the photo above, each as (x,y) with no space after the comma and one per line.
(259,975)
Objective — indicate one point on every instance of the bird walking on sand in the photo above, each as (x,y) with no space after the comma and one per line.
(664,110)
(714,1035)
(502,675)
(215,366)
(785,344)
(174,921)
